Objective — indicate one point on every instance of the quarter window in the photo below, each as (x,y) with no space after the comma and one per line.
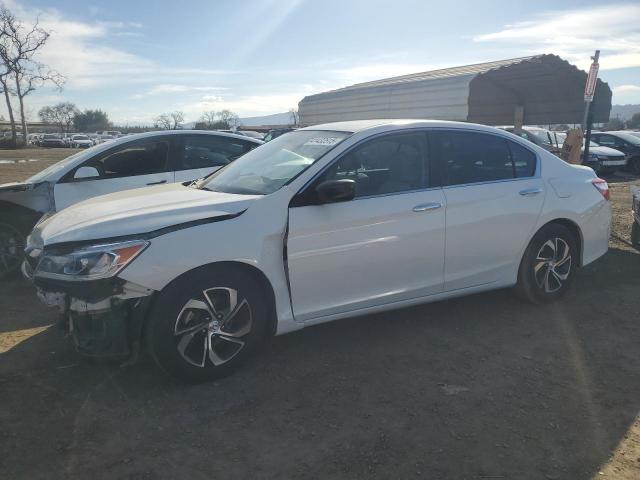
(204,151)
(524,160)
(393,163)
(470,157)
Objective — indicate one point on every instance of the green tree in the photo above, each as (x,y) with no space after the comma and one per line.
(635,121)
(91,121)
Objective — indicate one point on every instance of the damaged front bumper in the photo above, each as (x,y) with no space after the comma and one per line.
(104,317)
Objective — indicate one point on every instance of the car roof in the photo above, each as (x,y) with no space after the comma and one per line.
(157,133)
(356,126)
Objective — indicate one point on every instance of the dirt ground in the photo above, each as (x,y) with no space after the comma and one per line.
(482,387)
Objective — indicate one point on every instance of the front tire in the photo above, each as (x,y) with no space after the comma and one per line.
(12,244)
(548,265)
(207,323)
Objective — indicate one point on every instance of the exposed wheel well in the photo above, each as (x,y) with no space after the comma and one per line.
(573,228)
(19,216)
(250,270)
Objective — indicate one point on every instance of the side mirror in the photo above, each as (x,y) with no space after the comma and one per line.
(333,191)
(86,172)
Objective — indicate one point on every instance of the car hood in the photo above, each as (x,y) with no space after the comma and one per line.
(136,212)
(606,151)
(15,187)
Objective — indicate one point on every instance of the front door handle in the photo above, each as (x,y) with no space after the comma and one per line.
(157,183)
(425,207)
(530,191)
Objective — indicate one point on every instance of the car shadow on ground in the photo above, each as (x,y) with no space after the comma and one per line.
(477,387)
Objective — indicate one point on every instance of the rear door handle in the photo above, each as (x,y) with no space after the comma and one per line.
(530,191)
(157,183)
(425,207)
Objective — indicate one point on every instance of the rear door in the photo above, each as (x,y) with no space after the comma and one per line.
(493,198)
(131,165)
(199,155)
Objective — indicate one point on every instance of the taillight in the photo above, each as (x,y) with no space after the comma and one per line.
(602,186)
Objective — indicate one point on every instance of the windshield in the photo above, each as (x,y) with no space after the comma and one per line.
(42,175)
(80,137)
(267,168)
(629,138)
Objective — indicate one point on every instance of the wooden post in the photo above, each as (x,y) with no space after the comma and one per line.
(518,119)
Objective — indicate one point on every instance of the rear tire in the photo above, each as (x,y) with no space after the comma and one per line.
(207,323)
(548,265)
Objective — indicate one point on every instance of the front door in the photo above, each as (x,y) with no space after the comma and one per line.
(132,165)
(386,245)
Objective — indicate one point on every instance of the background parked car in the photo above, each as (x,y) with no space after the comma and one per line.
(626,142)
(81,141)
(134,161)
(52,140)
(603,160)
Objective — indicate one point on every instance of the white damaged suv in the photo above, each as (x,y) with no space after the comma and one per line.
(322,223)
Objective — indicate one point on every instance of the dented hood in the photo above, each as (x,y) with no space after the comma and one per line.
(138,211)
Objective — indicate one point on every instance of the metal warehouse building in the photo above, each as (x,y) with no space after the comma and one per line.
(541,89)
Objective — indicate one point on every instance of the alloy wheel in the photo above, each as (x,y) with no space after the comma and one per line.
(11,248)
(552,265)
(212,328)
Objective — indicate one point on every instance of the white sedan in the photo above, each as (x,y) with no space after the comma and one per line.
(130,162)
(320,224)
(81,141)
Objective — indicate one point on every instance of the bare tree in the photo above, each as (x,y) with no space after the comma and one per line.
(17,49)
(163,121)
(61,114)
(209,119)
(229,118)
(177,119)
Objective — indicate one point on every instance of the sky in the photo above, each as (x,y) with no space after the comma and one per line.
(137,59)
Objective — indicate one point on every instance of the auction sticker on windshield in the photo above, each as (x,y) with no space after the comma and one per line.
(325,141)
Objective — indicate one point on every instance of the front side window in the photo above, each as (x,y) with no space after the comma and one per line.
(390,164)
(266,169)
(140,158)
(471,157)
(205,151)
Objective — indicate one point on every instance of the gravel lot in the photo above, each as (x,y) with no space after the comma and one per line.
(474,388)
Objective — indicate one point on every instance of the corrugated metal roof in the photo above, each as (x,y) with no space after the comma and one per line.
(474,69)
(548,87)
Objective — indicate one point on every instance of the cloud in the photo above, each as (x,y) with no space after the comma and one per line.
(80,51)
(575,34)
(172,88)
(249,105)
(626,89)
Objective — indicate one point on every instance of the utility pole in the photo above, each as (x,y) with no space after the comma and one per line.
(589,93)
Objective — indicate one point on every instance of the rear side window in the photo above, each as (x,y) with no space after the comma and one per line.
(471,157)
(141,158)
(204,151)
(524,160)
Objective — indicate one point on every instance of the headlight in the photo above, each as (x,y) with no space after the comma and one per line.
(89,263)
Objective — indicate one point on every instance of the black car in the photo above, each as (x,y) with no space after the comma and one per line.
(625,142)
(51,140)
